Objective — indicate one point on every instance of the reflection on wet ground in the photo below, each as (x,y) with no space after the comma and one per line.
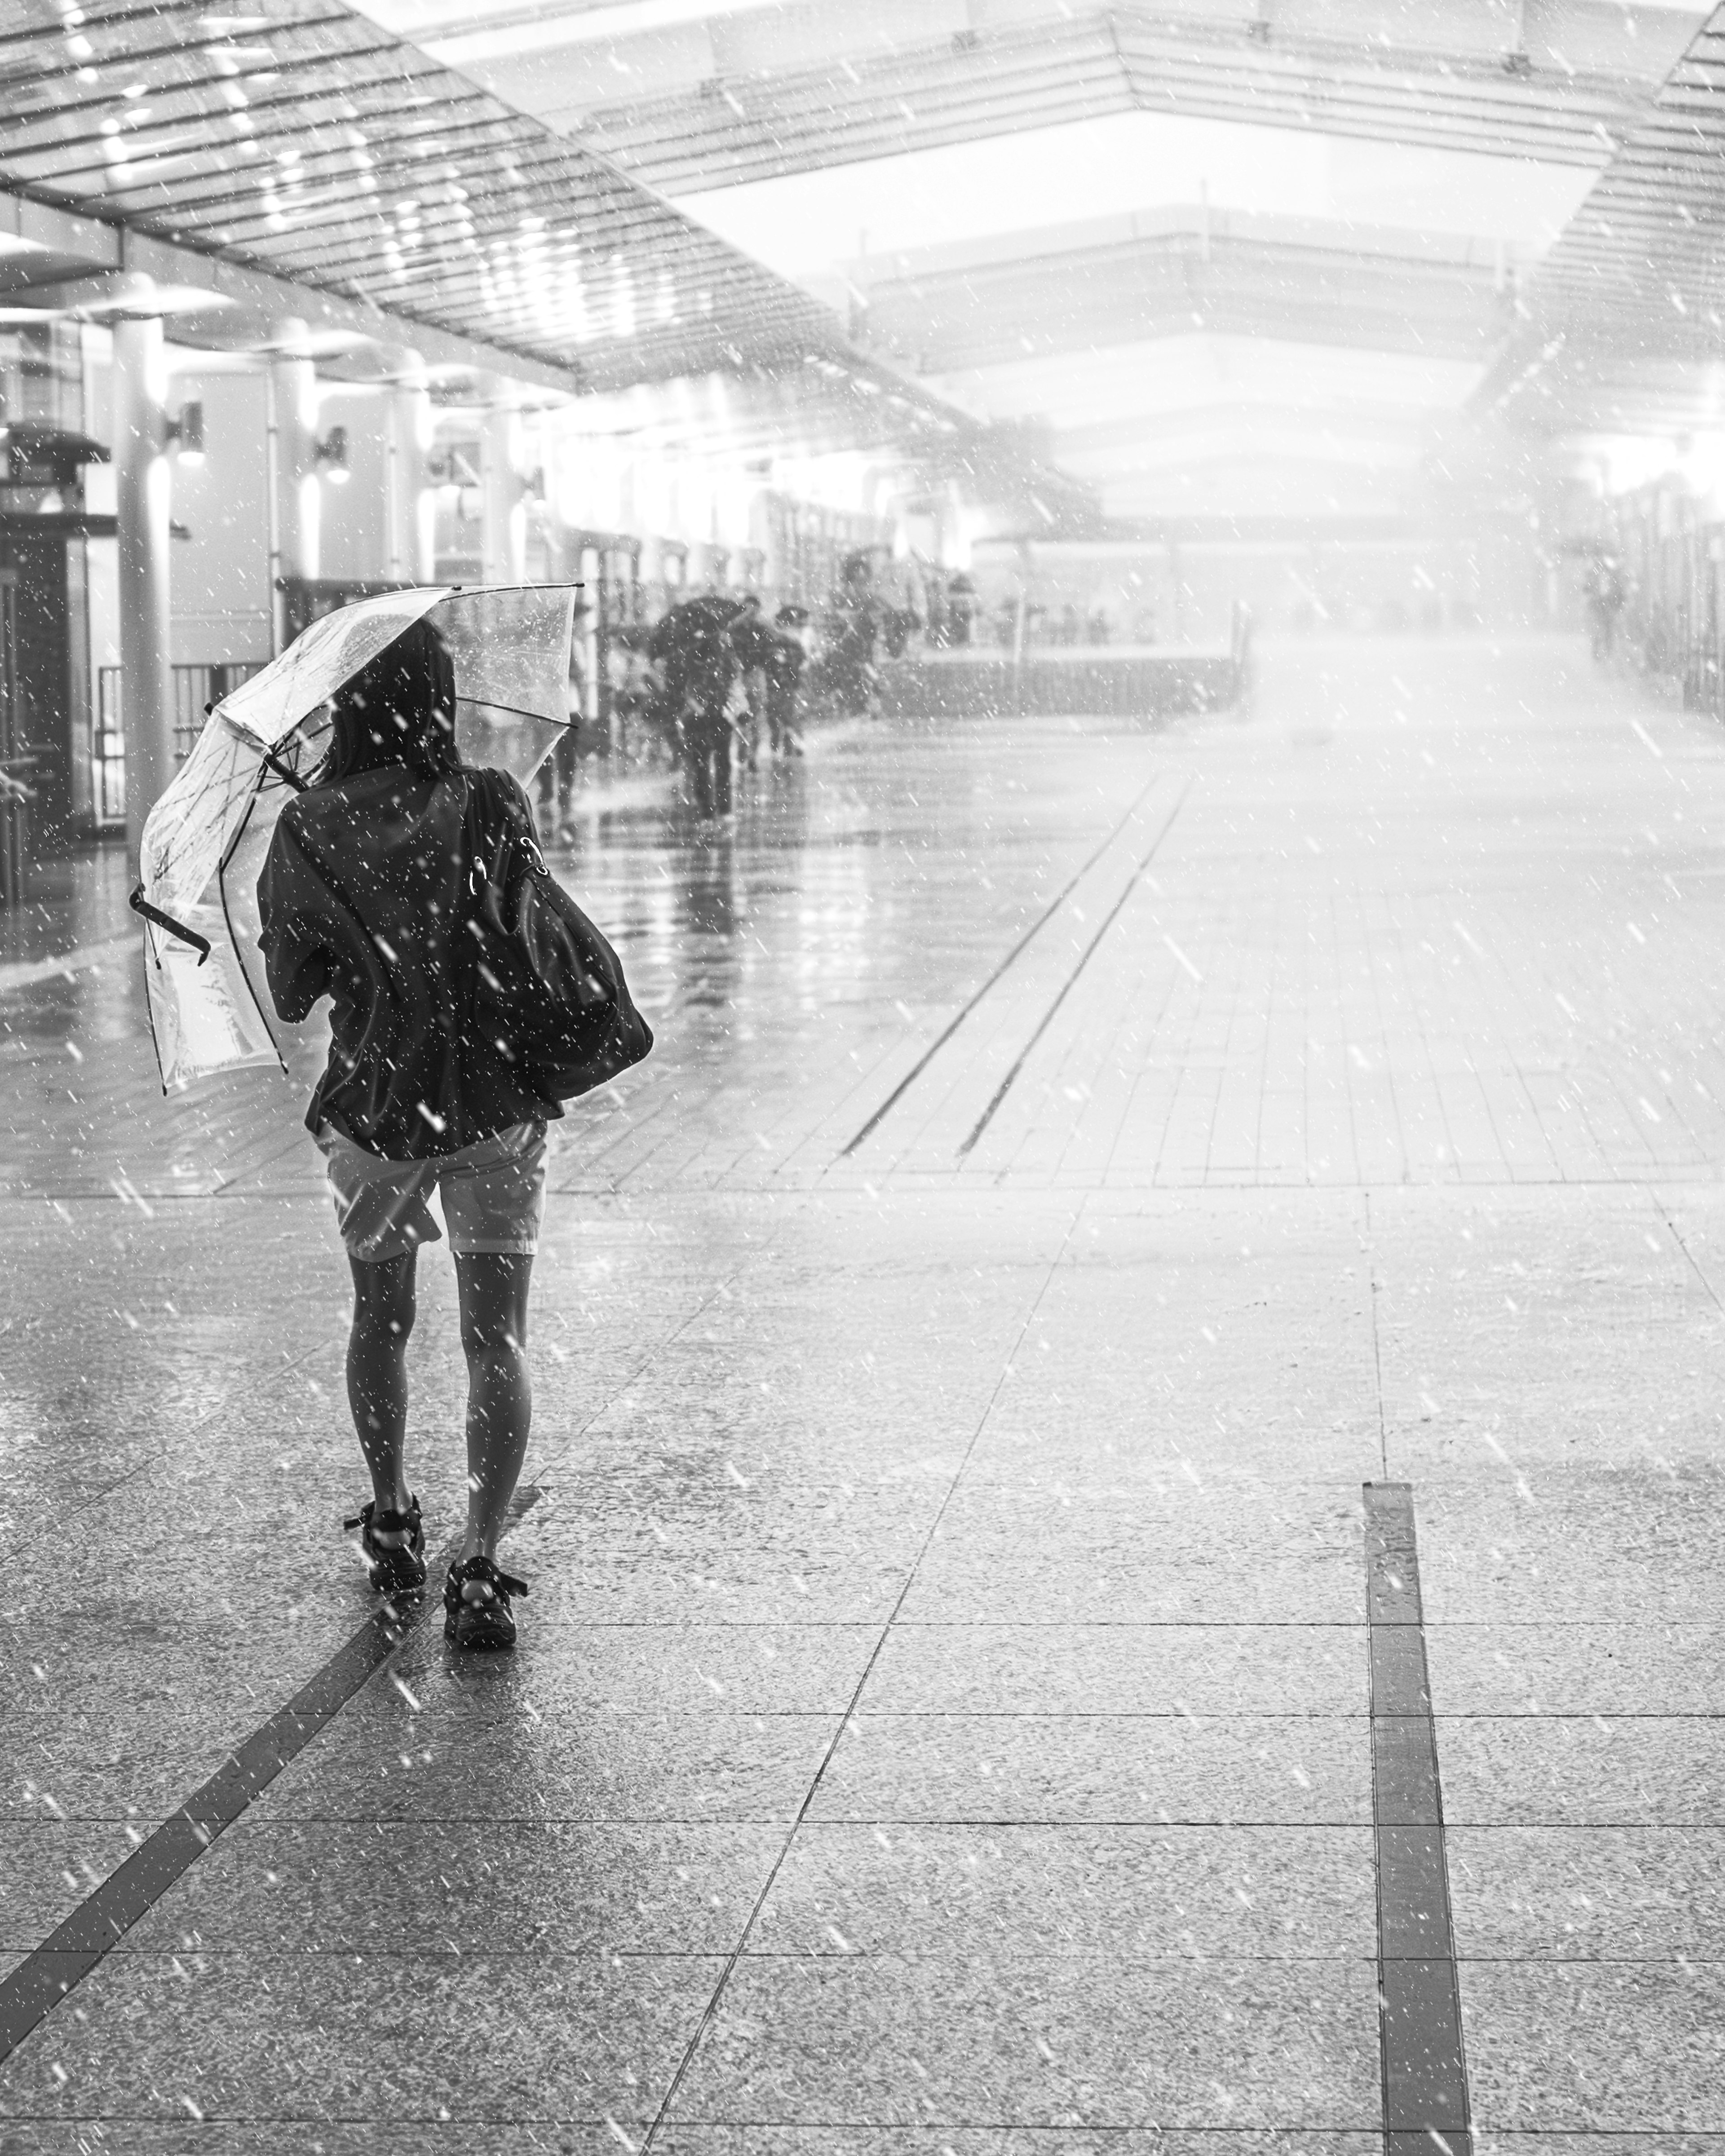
(940,1715)
(761,947)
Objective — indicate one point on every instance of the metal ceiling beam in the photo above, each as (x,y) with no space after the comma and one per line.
(1085,288)
(406,185)
(384,192)
(1626,315)
(1207,422)
(745,123)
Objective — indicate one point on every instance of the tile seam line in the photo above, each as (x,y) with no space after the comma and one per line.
(1036,927)
(1677,1237)
(793,1208)
(710,2010)
(1071,980)
(165,2120)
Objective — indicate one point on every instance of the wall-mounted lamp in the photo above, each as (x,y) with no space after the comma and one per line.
(188,431)
(331,456)
(454,466)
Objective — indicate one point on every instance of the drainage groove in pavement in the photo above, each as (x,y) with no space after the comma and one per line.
(1425,2103)
(1035,928)
(1071,982)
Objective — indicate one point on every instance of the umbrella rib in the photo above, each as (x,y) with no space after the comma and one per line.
(515,710)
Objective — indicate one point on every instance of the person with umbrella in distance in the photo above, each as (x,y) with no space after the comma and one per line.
(783,668)
(701,674)
(363,898)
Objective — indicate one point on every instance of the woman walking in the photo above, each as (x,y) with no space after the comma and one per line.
(365,898)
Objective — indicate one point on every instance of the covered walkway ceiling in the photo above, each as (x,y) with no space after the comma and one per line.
(1624,329)
(1298,233)
(299,140)
(1106,281)
(1097,222)
(715,96)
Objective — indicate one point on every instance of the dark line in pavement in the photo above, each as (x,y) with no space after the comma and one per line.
(1042,921)
(102,1919)
(1424,2064)
(1007,1083)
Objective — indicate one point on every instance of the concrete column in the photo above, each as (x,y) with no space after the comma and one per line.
(406,437)
(293,437)
(141,488)
(503,513)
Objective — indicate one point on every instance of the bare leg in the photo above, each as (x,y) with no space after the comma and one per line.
(377,1374)
(493,1287)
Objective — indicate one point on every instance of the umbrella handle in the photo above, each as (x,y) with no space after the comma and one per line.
(140,904)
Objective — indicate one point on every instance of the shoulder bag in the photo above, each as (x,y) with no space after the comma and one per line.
(546,991)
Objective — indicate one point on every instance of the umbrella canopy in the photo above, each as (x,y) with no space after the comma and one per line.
(205,839)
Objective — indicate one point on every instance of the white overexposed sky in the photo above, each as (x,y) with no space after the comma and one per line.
(808,225)
(1199,372)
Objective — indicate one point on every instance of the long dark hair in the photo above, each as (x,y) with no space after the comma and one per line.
(398,710)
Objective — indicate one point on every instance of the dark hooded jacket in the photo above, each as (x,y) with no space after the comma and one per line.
(362,898)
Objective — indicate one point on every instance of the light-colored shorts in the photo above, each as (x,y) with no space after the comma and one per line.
(493,1195)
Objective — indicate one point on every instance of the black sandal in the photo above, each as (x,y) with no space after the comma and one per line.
(487,1622)
(396,1570)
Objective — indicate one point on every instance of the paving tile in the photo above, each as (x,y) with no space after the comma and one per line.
(1046,2042)
(1580,2047)
(1555,1292)
(310,2037)
(359,2136)
(47,1867)
(1515,2141)
(1581,1544)
(127,1719)
(1576,1669)
(503,1746)
(568,1670)
(1114,1571)
(1149,1540)
(1098,1893)
(846,1585)
(1582,1770)
(1594,1893)
(491,1887)
(811,2139)
(1026,1767)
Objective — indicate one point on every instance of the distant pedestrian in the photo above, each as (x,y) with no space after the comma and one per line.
(784,669)
(362,898)
(1606,592)
(961,609)
(701,689)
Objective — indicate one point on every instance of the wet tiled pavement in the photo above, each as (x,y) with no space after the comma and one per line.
(941,1721)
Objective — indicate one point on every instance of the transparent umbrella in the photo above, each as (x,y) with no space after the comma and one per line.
(205,839)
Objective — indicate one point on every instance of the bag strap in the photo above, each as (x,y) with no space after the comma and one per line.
(491,833)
